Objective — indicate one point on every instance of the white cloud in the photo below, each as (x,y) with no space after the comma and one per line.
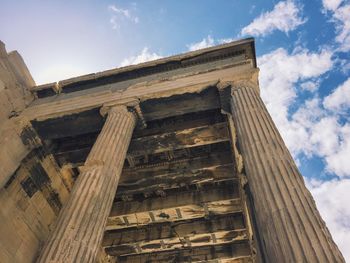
(332,200)
(338,161)
(319,132)
(339,100)
(324,135)
(206,42)
(209,41)
(338,103)
(311,86)
(120,14)
(297,129)
(114,22)
(315,128)
(341,17)
(144,56)
(331,4)
(285,17)
(279,74)
(225,40)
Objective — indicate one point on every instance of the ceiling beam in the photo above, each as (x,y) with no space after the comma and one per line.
(213,157)
(152,183)
(180,122)
(190,241)
(166,230)
(75,149)
(192,163)
(173,214)
(210,192)
(169,141)
(196,254)
(239,259)
(208,99)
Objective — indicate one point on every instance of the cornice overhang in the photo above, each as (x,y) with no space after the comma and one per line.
(244,47)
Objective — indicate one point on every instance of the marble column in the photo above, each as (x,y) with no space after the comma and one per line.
(290,227)
(79,230)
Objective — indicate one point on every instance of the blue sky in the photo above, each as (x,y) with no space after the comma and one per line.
(302,49)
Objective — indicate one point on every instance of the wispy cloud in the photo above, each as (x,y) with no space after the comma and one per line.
(340,11)
(144,56)
(225,40)
(285,16)
(204,43)
(337,159)
(310,85)
(120,14)
(209,41)
(331,4)
(339,100)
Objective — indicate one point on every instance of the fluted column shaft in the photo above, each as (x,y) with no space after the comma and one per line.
(80,226)
(290,227)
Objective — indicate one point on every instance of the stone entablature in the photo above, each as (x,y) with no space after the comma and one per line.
(196,61)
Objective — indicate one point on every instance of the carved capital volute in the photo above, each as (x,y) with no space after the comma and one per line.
(132,106)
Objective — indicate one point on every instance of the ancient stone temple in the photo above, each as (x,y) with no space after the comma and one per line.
(174,160)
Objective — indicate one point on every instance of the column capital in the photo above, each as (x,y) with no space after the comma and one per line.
(249,79)
(226,90)
(115,107)
(131,107)
(240,84)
